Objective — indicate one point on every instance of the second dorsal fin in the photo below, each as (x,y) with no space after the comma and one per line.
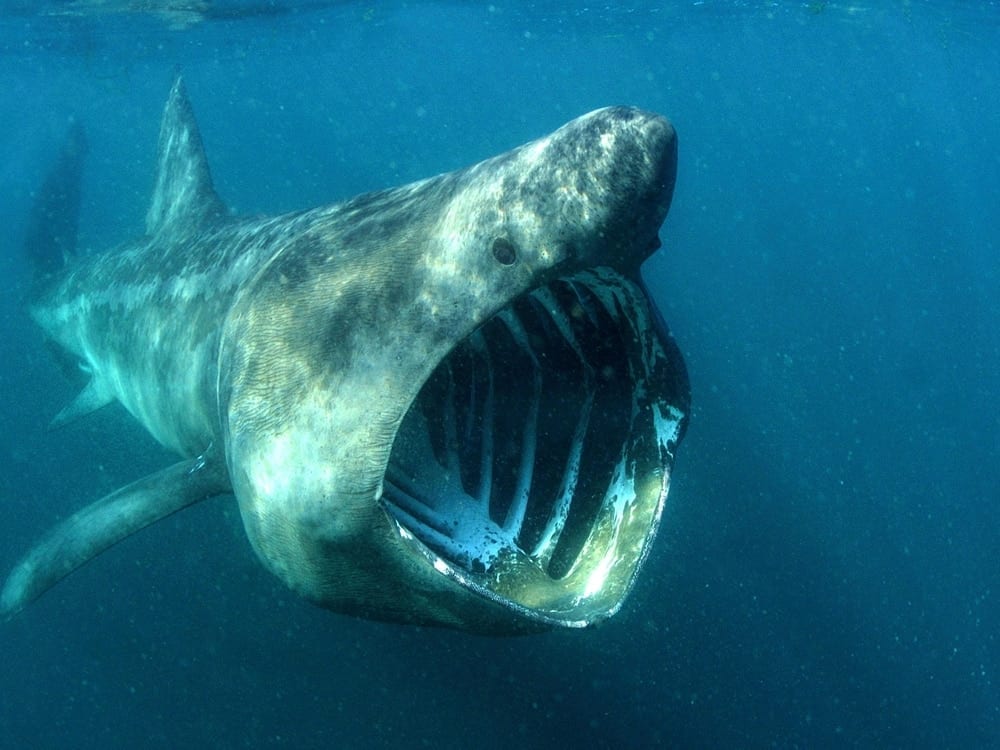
(183,197)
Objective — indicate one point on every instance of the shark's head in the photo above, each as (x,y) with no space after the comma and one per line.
(453,402)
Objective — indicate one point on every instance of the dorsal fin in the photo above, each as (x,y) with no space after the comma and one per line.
(183,198)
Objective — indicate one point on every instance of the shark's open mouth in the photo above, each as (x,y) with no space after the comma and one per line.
(534,462)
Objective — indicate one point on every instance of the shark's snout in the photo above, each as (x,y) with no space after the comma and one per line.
(618,173)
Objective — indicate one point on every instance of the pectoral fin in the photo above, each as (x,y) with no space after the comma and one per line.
(95,396)
(90,531)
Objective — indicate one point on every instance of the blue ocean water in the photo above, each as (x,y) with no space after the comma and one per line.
(826,573)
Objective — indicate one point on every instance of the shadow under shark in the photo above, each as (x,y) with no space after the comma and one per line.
(449,403)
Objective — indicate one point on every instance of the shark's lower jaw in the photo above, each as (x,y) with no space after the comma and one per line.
(533,465)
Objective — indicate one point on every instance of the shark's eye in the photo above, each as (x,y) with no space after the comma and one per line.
(504,251)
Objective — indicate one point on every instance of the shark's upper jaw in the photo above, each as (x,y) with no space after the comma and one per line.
(533,464)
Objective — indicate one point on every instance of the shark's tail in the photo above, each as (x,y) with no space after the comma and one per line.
(52,224)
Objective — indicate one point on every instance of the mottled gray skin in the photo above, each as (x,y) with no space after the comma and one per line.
(284,352)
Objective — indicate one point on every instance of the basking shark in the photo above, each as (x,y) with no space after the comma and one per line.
(450,403)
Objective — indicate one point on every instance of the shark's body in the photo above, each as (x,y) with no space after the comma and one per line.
(449,402)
